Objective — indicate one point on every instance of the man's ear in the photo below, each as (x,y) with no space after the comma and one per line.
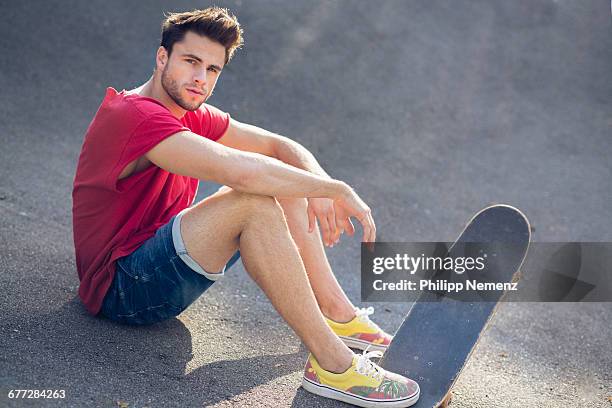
(161,59)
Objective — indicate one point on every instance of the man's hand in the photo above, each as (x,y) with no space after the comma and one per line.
(351,205)
(335,217)
(323,210)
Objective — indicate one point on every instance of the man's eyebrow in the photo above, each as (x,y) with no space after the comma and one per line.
(195,57)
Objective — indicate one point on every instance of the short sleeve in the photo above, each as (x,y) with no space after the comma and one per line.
(153,129)
(213,121)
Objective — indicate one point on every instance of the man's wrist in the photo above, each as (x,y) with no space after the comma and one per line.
(337,189)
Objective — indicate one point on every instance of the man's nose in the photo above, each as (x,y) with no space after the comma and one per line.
(200,77)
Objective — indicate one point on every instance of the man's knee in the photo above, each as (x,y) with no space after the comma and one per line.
(266,203)
(235,204)
(300,203)
(260,205)
(293,206)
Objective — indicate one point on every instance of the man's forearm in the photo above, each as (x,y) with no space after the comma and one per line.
(268,176)
(293,153)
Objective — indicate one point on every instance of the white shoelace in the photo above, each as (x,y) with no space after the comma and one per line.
(363,313)
(366,367)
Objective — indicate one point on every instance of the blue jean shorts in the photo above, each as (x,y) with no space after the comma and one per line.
(157,281)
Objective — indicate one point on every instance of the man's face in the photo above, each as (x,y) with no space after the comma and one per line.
(191,72)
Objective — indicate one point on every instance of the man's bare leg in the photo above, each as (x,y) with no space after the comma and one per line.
(331,298)
(212,231)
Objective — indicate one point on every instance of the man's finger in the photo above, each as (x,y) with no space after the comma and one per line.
(333,228)
(369,228)
(367,231)
(365,226)
(345,225)
(342,225)
(312,219)
(373,227)
(350,228)
(324,230)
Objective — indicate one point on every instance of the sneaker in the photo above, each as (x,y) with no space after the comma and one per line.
(361,333)
(364,384)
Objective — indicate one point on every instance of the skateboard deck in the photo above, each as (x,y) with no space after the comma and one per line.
(437,337)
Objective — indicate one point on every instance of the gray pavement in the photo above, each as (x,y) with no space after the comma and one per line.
(430,109)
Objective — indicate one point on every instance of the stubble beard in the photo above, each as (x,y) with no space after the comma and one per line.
(173,90)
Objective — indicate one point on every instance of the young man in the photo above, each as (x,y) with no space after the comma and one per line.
(144,252)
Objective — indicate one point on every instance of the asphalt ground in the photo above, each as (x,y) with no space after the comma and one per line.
(429,109)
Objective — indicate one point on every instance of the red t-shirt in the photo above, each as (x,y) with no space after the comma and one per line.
(111,218)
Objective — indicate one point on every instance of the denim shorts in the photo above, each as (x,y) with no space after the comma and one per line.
(158,280)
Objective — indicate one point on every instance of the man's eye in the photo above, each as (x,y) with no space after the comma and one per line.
(191,61)
(211,69)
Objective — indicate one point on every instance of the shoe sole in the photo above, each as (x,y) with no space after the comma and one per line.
(332,393)
(362,344)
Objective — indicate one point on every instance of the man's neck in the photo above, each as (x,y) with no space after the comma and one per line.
(154,89)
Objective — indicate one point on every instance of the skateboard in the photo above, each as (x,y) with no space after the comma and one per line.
(440,331)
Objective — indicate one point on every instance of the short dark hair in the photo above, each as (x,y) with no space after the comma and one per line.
(216,23)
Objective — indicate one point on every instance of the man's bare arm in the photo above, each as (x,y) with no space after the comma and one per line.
(254,139)
(191,155)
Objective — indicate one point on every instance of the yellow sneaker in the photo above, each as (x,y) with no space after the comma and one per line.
(361,333)
(364,384)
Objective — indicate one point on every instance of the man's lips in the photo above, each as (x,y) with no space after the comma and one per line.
(195,91)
